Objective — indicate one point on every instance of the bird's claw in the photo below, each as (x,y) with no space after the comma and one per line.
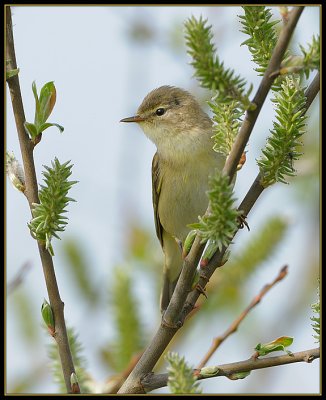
(243,222)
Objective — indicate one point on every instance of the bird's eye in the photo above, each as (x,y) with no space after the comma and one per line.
(160,111)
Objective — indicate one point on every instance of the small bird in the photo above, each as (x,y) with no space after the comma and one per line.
(182,132)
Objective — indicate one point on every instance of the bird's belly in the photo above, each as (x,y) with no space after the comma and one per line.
(182,201)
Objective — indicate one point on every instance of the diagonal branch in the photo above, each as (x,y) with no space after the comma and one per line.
(246,205)
(172,314)
(264,87)
(31,192)
(182,303)
(235,324)
(151,381)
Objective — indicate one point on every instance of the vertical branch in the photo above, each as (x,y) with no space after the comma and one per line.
(31,192)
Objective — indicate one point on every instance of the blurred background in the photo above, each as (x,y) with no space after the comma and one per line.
(104,60)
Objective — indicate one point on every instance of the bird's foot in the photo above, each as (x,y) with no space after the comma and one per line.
(242,222)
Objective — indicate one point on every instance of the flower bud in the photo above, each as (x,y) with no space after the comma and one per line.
(15,172)
(208,253)
(74,383)
(48,316)
(189,242)
(207,372)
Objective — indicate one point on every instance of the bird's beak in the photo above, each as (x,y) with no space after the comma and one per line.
(135,118)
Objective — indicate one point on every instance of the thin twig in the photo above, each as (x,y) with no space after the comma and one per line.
(152,381)
(31,192)
(181,303)
(235,324)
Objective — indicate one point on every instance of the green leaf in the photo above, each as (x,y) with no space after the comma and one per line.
(31,129)
(37,103)
(48,125)
(44,106)
(47,100)
(278,344)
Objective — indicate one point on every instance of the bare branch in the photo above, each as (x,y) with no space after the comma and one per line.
(312,90)
(31,192)
(151,381)
(235,324)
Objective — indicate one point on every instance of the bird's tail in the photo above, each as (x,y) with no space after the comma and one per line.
(172,269)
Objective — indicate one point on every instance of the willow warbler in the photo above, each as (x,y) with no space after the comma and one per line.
(174,121)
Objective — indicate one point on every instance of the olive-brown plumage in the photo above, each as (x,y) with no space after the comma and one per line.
(182,131)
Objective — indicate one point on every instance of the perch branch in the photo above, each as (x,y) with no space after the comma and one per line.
(152,381)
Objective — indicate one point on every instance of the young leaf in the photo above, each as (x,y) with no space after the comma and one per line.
(48,125)
(47,100)
(31,129)
(44,105)
(278,344)
(37,103)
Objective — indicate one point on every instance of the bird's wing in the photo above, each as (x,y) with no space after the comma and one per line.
(156,189)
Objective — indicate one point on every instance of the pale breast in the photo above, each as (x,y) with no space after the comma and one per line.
(183,194)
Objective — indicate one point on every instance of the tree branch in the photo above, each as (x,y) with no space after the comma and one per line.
(181,304)
(151,381)
(264,87)
(235,324)
(31,192)
(312,90)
